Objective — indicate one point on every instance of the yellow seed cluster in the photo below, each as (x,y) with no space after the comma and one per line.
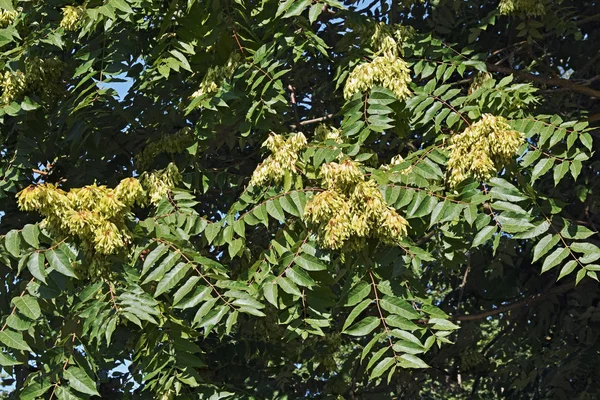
(324,132)
(94,214)
(215,76)
(396,160)
(283,158)
(386,69)
(40,76)
(352,209)
(482,149)
(171,144)
(159,183)
(72,17)
(479,80)
(14,85)
(529,7)
(43,75)
(7,17)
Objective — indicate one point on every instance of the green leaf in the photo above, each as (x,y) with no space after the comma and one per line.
(358,293)
(35,389)
(367,349)
(314,12)
(580,275)
(536,231)
(443,324)
(274,209)
(80,381)
(399,307)
(300,277)
(165,266)
(567,269)
(406,336)
(12,242)
(381,367)
(403,346)
(14,340)
(309,263)
(376,357)
(560,171)
(60,262)
(401,322)
(185,289)
(28,306)
(35,265)
(200,294)
(288,286)
(297,8)
(544,246)
(363,327)
(7,5)
(211,231)
(554,258)
(152,257)
(483,235)
(271,294)
(204,310)
(356,311)
(121,5)
(172,278)
(31,234)
(412,361)
(8,360)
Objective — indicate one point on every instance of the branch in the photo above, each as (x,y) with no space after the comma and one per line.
(547,81)
(526,302)
(294,104)
(313,121)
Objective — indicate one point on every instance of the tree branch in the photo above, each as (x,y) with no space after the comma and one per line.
(313,121)
(526,302)
(547,81)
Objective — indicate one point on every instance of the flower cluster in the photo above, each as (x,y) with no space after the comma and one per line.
(215,76)
(40,76)
(72,17)
(386,69)
(352,209)
(159,183)
(482,149)
(94,214)
(283,158)
(171,144)
(7,17)
(529,7)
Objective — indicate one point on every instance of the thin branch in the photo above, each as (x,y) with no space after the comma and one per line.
(313,121)
(382,318)
(294,104)
(464,283)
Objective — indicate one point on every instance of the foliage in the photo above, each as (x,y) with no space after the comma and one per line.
(429,175)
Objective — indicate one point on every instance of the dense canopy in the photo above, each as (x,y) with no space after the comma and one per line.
(265,199)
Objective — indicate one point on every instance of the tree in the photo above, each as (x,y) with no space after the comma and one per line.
(299,199)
